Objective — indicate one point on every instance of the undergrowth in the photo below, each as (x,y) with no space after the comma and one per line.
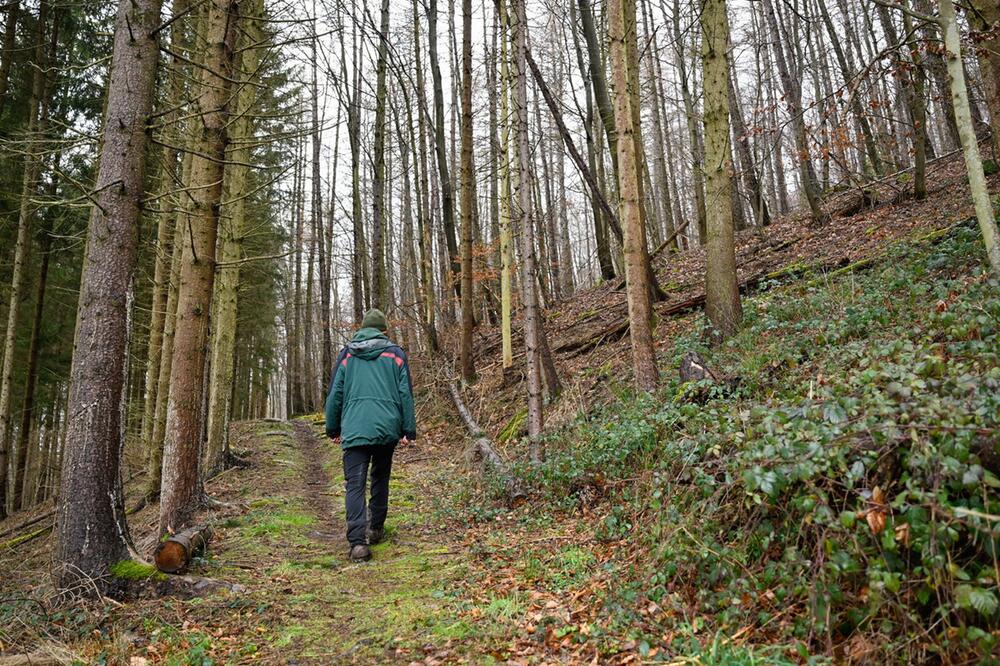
(842,498)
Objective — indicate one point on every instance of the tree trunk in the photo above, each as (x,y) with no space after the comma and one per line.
(722,293)
(506,246)
(847,72)
(424,230)
(793,99)
(758,203)
(985,19)
(380,285)
(447,203)
(26,213)
(7,49)
(92,531)
(697,148)
(182,489)
(468,316)
(599,80)
(659,132)
(970,145)
(621,35)
(155,443)
(919,111)
(601,241)
(232,225)
(317,195)
(23,496)
(526,225)
(180,44)
(175,553)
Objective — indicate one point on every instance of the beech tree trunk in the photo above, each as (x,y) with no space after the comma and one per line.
(966,130)
(92,533)
(182,490)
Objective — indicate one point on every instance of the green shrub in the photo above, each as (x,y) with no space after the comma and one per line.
(849,486)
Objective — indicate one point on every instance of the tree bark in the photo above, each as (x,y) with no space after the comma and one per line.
(23,497)
(468,316)
(25,221)
(621,35)
(970,145)
(182,490)
(529,301)
(7,49)
(697,147)
(985,19)
(380,284)
(447,203)
(722,293)
(92,530)
(232,226)
(793,99)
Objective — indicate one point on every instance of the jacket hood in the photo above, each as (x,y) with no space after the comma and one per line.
(368,343)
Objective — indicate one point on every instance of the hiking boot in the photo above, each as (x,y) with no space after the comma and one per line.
(360,553)
(375,535)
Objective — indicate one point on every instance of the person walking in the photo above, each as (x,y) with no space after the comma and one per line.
(369,410)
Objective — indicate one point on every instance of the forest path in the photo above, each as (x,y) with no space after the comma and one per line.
(320,607)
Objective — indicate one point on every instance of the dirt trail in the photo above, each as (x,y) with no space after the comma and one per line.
(316,484)
(320,607)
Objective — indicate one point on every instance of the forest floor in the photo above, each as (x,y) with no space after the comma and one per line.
(628,550)
(437,590)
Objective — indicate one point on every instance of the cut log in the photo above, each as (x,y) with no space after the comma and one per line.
(175,553)
(484,448)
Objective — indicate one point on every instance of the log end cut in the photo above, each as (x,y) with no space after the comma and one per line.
(175,553)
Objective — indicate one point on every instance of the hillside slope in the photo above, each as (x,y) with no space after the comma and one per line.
(841,501)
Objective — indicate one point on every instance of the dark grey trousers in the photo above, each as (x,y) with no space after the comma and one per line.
(357,460)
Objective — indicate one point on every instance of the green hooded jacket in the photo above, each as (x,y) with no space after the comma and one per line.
(371,394)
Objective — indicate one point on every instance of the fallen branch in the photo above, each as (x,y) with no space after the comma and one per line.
(619,328)
(45,529)
(25,538)
(484,447)
(31,659)
(28,523)
(175,553)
